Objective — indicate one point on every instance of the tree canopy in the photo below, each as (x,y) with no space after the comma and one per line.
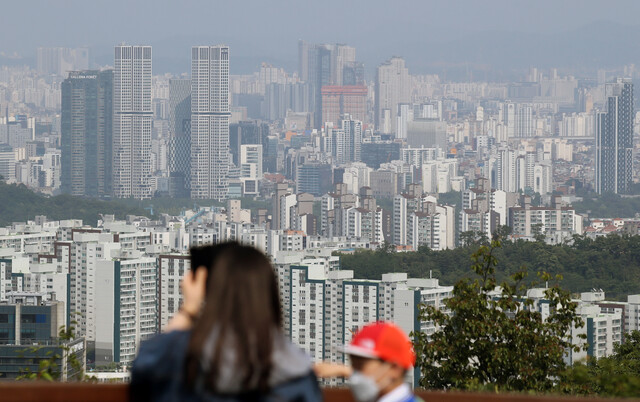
(611,263)
(496,341)
(617,375)
(19,204)
(608,205)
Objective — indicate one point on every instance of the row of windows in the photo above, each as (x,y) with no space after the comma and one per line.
(24,318)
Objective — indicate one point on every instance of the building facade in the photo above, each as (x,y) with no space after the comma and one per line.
(179,146)
(132,121)
(340,100)
(210,122)
(86,133)
(393,87)
(614,140)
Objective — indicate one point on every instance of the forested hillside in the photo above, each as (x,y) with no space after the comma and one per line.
(611,263)
(18,203)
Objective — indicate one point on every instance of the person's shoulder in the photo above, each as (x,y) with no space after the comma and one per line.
(289,362)
(174,340)
(156,371)
(161,353)
(304,388)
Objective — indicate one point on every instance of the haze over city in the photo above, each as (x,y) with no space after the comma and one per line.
(291,198)
(498,35)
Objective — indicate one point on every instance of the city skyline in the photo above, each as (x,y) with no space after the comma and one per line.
(366,149)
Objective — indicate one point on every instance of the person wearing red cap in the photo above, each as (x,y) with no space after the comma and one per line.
(380,354)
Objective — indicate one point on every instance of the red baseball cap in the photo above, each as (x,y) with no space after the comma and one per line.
(384,341)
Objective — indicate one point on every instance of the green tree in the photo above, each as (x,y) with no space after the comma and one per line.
(536,229)
(503,232)
(494,339)
(611,263)
(473,238)
(49,368)
(616,376)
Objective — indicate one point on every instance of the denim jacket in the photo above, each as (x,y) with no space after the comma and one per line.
(157,375)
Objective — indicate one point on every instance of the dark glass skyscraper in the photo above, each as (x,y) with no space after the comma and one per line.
(179,137)
(614,139)
(86,130)
(322,76)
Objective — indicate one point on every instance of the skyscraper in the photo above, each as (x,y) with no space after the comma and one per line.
(303,60)
(614,139)
(323,65)
(320,72)
(392,87)
(132,121)
(343,56)
(346,141)
(179,137)
(86,131)
(210,122)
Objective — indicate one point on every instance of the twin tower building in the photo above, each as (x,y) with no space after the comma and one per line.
(107,120)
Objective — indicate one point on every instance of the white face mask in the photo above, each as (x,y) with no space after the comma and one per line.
(363,387)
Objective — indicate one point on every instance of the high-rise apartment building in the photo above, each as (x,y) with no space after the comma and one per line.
(86,131)
(614,139)
(210,122)
(517,118)
(324,307)
(132,120)
(393,86)
(126,297)
(179,137)
(345,142)
(171,269)
(250,167)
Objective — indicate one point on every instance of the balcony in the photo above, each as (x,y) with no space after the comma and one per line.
(76,392)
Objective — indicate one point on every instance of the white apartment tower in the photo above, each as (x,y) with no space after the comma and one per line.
(210,122)
(393,87)
(132,119)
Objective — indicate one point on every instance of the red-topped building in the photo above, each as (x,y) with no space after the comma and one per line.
(339,100)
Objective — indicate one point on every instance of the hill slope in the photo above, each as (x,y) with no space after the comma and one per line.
(18,203)
(610,263)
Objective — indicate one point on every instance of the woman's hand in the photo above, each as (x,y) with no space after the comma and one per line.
(193,287)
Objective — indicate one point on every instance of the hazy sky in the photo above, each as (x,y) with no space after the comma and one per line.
(269,29)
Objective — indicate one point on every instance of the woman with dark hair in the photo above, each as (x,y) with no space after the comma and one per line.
(226,341)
